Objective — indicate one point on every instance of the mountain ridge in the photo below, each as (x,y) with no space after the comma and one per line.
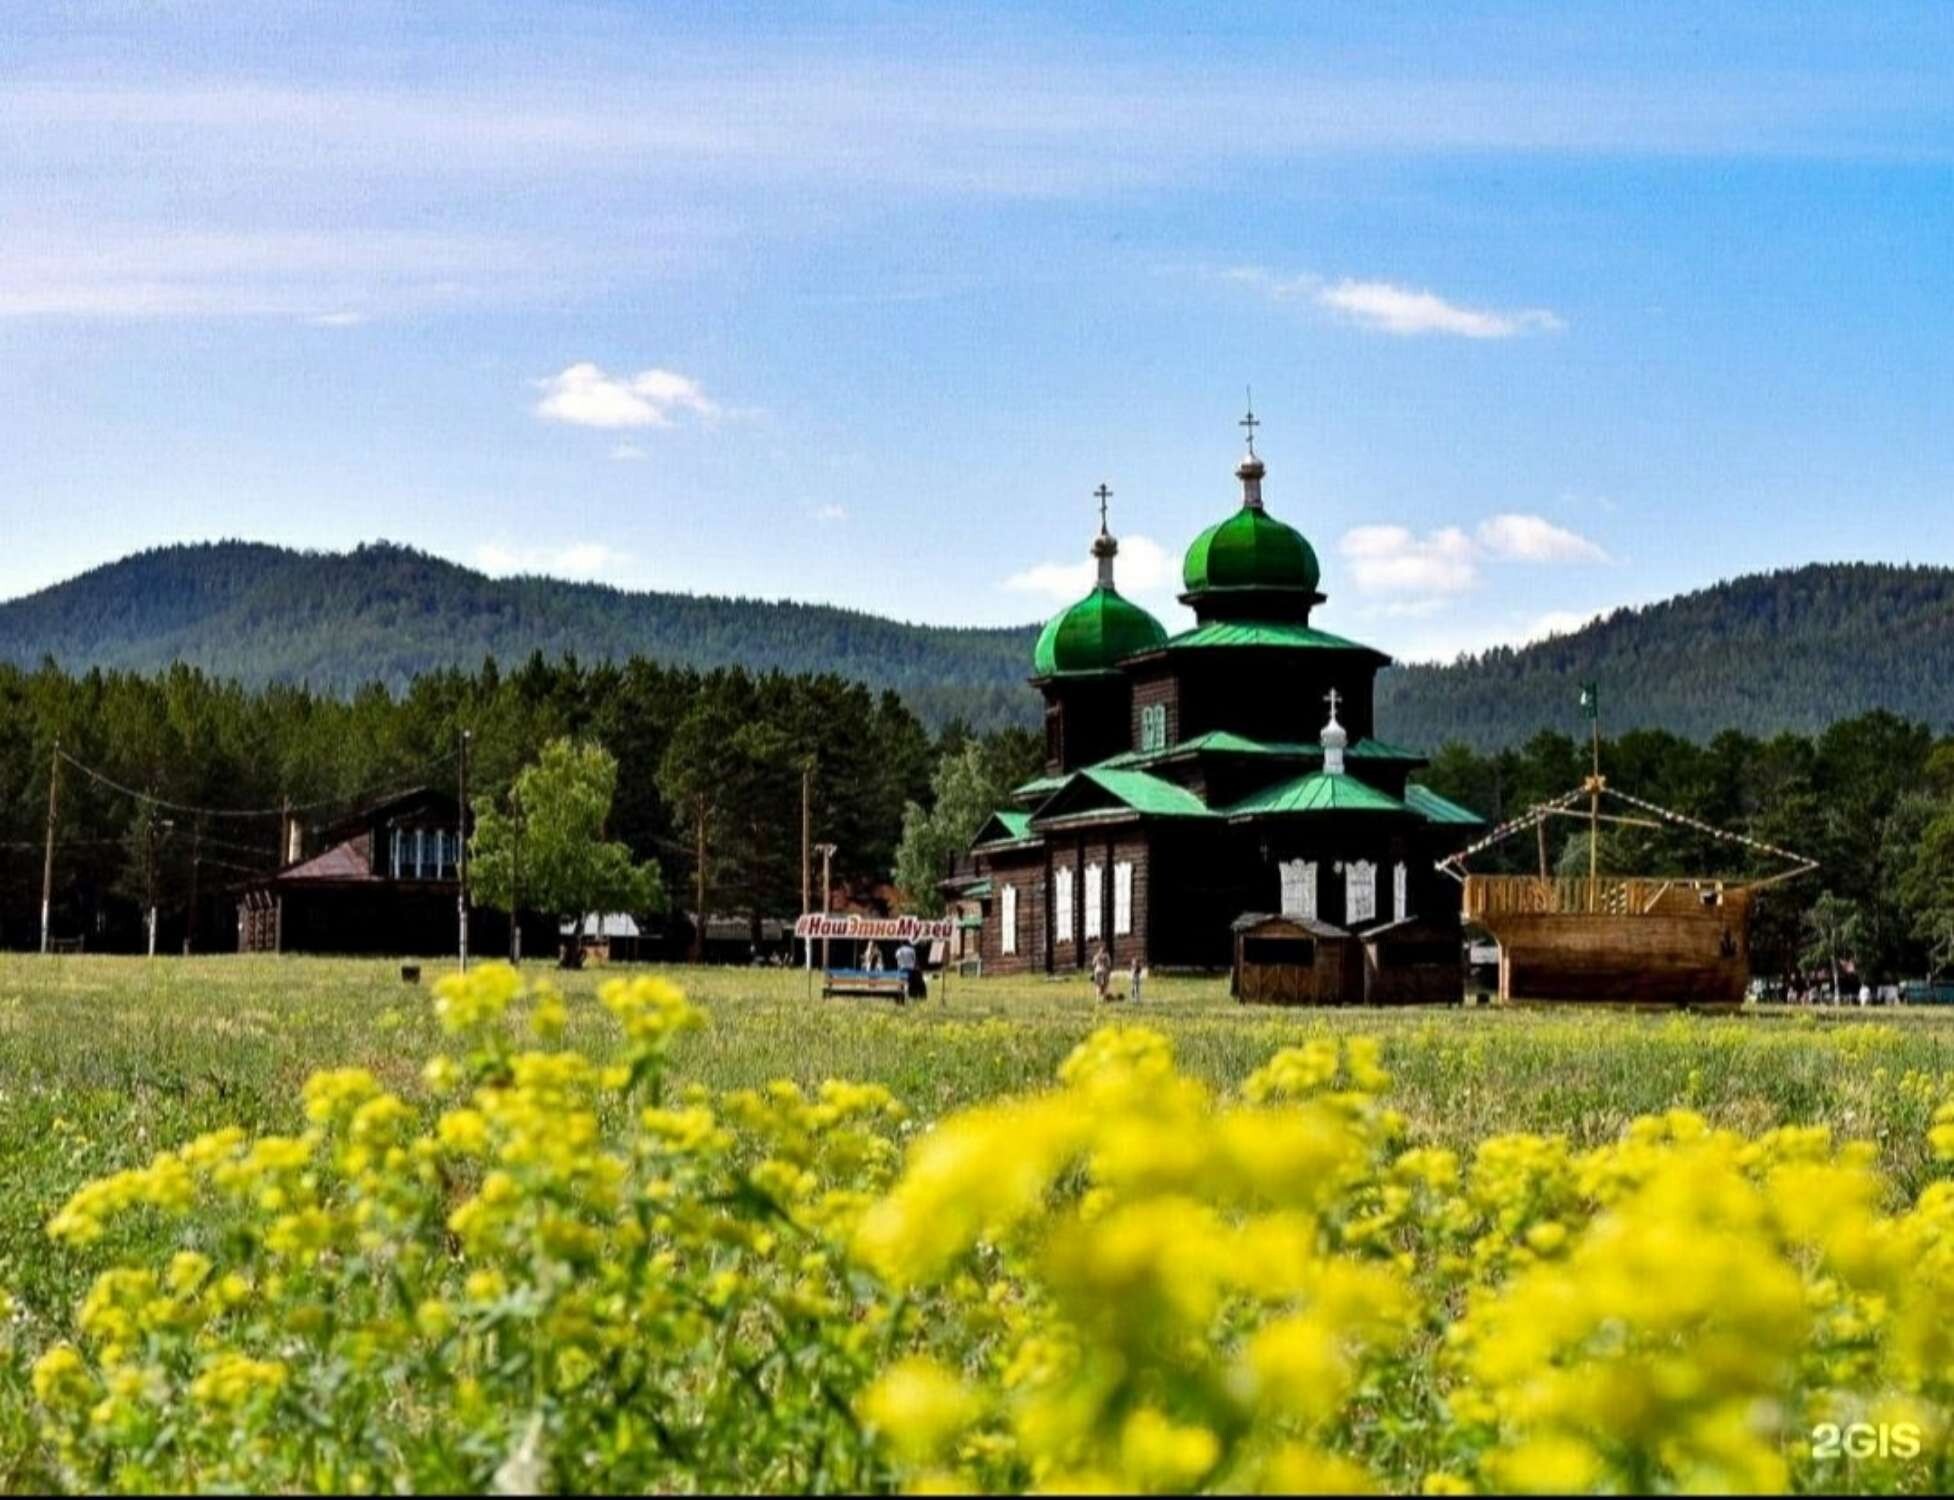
(1792,649)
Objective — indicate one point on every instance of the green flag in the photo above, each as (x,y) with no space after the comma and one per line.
(1590,700)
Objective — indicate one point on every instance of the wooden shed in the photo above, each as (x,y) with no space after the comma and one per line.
(1414,962)
(1296,961)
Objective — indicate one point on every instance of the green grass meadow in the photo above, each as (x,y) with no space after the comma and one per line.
(104,1061)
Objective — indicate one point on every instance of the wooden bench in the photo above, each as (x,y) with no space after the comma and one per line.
(872,983)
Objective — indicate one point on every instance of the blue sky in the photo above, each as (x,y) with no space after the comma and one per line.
(1546,308)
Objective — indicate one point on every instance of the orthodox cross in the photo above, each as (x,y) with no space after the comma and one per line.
(1250,423)
(1102,495)
(1333,698)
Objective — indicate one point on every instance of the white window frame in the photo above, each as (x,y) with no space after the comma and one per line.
(1401,891)
(1359,892)
(1153,727)
(1123,898)
(1062,904)
(1298,888)
(1007,920)
(1095,899)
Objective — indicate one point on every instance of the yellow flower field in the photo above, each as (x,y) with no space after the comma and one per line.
(295,1225)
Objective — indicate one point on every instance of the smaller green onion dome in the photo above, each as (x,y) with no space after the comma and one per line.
(1095,635)
(1250,550)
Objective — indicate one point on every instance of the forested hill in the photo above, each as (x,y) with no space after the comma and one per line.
(1789,650)
(385,613)
(1797,649)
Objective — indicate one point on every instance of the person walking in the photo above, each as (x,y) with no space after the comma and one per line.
(912,976)
(1102,973)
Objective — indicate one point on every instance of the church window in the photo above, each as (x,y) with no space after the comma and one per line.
(1122,898)
(1359,892)
(1008,920)
(1054,736)
(1400,891)
(1298,888)
(1095,900)
(1153,727)
(1062,904)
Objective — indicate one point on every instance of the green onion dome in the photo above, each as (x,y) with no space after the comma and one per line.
(1095,635)
(1251,549)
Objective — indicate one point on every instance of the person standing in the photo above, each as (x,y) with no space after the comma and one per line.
(1102,972)
(906,966)
(1134,972)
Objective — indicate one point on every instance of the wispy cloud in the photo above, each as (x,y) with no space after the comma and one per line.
(1143,567)
(581,560)
(1394,560)
(829,515)
(1535,539)
(584,396)
(1406,311)
(1386,307)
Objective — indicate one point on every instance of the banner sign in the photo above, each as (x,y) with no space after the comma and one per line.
(851,927)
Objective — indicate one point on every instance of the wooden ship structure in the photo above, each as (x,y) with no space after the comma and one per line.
(1617,939)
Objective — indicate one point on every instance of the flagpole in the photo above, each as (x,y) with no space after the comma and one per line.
(1594,800)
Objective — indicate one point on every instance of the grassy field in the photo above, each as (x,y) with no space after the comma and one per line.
(103,1061)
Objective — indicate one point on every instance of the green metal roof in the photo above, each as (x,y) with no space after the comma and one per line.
(977,892)
(1227,742)
(1318,792)
(1004,826)
(1436,809)
(1143,793)
(1261,633)
(1250,550)
(1094,635)
(1040,786)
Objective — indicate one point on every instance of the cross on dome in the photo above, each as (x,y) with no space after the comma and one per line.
(1250,422)
(1335,737)
(1102,495)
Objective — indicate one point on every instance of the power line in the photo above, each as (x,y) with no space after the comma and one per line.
(393,786)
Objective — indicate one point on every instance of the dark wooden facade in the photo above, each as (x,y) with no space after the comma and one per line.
(1295,961)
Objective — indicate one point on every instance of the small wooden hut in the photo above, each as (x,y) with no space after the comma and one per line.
(1414,962)
(1296,961)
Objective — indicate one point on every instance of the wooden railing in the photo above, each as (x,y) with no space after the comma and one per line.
(1569,895)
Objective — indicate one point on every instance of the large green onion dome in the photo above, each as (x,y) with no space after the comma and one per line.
(1098,632)
(1251,549)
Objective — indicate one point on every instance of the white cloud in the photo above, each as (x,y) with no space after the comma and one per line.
(584,396)
(1535,539)
(576,560)
(828,514)
(1392,560)
(337,320)
(627,453)
(1143,567)
(1405,311)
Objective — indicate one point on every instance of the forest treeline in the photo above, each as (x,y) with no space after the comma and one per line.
(716,758)
(1797,649)
(729,743)
(1790,650)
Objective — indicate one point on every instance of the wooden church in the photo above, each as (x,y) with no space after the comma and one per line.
(1191,779)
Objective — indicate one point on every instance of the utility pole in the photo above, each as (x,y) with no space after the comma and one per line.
(47,867)
(515,878)
(827,853)
(461,857)
(699,885)
(196,876)
(807,868)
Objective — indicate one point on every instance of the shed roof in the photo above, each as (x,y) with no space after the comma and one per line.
(1136,791)
(1249,921)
